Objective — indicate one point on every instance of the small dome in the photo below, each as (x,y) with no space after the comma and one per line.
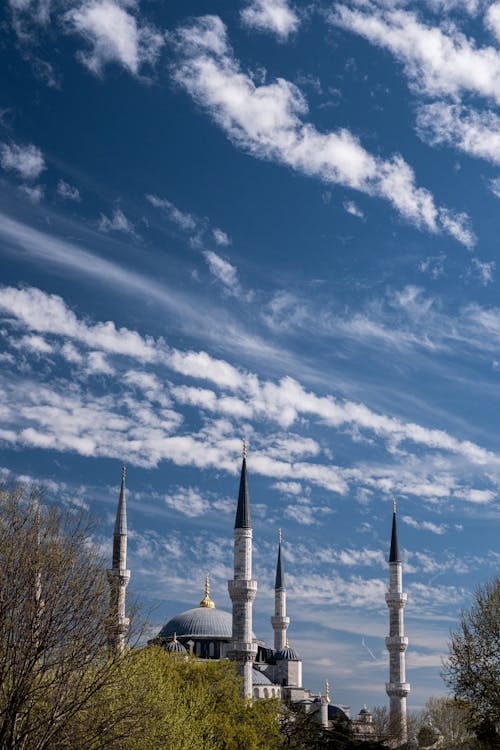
(286,654)
(259,678)
(174,647)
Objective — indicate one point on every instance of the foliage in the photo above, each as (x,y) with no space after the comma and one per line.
(451,718)
(53,611)
(472,670)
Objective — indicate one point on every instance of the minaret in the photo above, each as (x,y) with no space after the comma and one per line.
(280,621)
(397,688)
(119,576)
(242,589)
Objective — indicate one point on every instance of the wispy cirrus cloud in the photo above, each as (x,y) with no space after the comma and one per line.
(268,122)
(118,222)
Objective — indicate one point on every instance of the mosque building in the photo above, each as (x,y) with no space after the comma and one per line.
(267,672)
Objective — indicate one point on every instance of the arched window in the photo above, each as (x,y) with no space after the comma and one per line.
(266,693)
(211,650)
(256,692)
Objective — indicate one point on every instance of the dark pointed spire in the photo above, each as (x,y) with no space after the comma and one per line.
(280,568)
(243,510)
(120,522)
(395,554)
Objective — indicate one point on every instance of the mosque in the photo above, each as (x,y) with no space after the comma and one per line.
(211,633)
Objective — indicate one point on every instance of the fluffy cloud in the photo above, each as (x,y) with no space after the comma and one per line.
(352,208)
(117,223)
(68,192)
(114,35)
(223,271)
(437,62)
(267,121)
(184,220)
(473,132)
(220,237)
(274,16)
(26,161)
(425,525)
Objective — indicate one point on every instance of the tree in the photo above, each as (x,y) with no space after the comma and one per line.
(472,670)
(53,611)
(450,717)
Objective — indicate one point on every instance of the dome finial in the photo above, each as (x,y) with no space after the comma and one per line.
(327,691)
(287,645)
(174,638)
(245,447)
(206,601)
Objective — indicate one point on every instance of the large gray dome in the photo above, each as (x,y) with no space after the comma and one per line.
(200,622)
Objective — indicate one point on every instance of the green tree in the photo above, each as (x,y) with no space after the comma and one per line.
(451,718)
(472,670)
(53,610)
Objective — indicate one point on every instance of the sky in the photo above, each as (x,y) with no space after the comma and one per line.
(272,221)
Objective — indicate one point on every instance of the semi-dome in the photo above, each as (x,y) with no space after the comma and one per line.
(259,678)
(286,654)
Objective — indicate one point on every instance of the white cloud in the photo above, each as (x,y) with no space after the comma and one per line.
(220,237)
(352,208)
(281,402)
(484,270)
(266,121)
(98,364)
(289,488)
(187,500)
(223,271)
(68,192)
(437,62)
(35,193)
(495,186)
(274,16)
(425,525)
(492,19)
(117,223)
(114,35)
(473,132)
(184,220)
(26,160)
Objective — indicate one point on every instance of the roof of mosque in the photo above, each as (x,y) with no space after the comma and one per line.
(200,622)
(259,678)
(287,653)
(175,647)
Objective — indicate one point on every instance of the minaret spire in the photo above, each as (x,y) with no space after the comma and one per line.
(242,588)
(280,621)
(397,688)
(118,575)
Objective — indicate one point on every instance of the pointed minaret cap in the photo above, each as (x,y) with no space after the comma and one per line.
(121,512)
(243,510)
(395,554)
(280,569)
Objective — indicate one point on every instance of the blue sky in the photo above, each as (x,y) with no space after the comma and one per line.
(275,221)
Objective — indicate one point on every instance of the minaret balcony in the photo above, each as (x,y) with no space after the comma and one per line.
(280,623)
(242,590)
(396,643)
(396,599)
(243,650)
(118,575)
(397,689)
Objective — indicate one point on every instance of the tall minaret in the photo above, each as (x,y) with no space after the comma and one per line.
(119,576)
(280,621)
(397,688)
(242,589)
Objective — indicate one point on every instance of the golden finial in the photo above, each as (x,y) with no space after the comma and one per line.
(244,447)
(393,504)
(206,601)
(279,536)
(287,645)
(124,472)
(174,639)
(327,691)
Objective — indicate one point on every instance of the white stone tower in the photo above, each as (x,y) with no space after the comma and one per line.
(242,589)
(280,621)
(119,576)
(397,688)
